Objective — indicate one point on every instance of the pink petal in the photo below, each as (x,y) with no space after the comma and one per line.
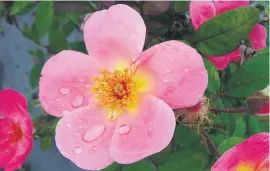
(83,136)
(234,56)
(249,154)
(144,132)
(264,166)
(258,36)
(221,62)
(9,100)
(116,33)
(66,82)
(223,6)
(200,12)
(179,75)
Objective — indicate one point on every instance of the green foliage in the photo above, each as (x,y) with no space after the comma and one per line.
(57,41)
(44,17)
(140,165)
(45,143)
(221,34)
(181,6)
(20,7)
(229,143)
(252,76)
(241,128)
(34,75)
(112,167)
(213,77)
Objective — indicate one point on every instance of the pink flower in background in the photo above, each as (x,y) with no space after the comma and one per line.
(16,129)
(201,11)
(117,102)
(250,155)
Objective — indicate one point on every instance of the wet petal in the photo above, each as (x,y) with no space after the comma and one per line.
(66,82)
(83,136)
(223,6)
(246,155)
(115,34)
(200,12)
(258,36)
(144,132)
(177,71)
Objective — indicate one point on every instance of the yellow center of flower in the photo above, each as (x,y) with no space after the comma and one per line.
(115,91)
(245,167)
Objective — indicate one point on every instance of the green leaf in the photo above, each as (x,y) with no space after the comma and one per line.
(188,160)
(222,34)
(213,77)
(44,17)
(241,128)
(38,54)
(252,76)
(34,75)
(139,166)
(20,7)
(74,18)
(45,143)
(112,167)
(68,28)
(181,6)
(57,41)
(162,157)
(229,143)
(78,46)
(253,125)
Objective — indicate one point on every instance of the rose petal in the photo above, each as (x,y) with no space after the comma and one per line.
(83,136)
(9,100)
(145,132)
(66,82)
(264,166)
(200,12)
(223,6)
(179,75)
(258,36)
(116,33)
(248,154)
(221,62)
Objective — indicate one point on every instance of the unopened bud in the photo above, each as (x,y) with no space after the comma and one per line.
(196,115)
(258,104)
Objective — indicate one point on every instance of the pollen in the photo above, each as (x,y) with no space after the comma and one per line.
(115,91)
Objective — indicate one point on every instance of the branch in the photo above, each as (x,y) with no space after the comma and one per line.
(213,145)
(231,110)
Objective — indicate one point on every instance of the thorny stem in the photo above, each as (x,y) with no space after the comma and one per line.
(231,110)
(211,143)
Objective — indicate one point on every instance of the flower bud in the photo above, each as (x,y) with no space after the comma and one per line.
(194,116)
(258,104)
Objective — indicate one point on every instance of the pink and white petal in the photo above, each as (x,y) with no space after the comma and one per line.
(250,153)
(115,34)
(84,137)
(200,12)
(9,100)
(221,62)
(23,149)
(143,133)
(178,72)
(65,82)
(223,6)
(234,56)
(258,36)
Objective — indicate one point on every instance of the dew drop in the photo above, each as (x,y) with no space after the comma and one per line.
(93,133)
(124,129)
(94,148)
(77,85)
(68,125)
(57,99)
(87,85)
(170,60)
(165,81)
(78,150)
(186,70)
(168,71)
(150,123)
(62,105)
(64,90)
(150,129)
(81,80)
(78,101)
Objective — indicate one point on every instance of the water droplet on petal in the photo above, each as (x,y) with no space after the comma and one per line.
(87,85)
(81,80)
(64,90)
(68,125)
(57,99)
(170,60)
(78,150)
(94,148)
(168,71)
(186,70)
(62,105)
(124,129)
(165,81)
(150,123)
(93,133)
(78,101)
(150,129)
(77,85)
